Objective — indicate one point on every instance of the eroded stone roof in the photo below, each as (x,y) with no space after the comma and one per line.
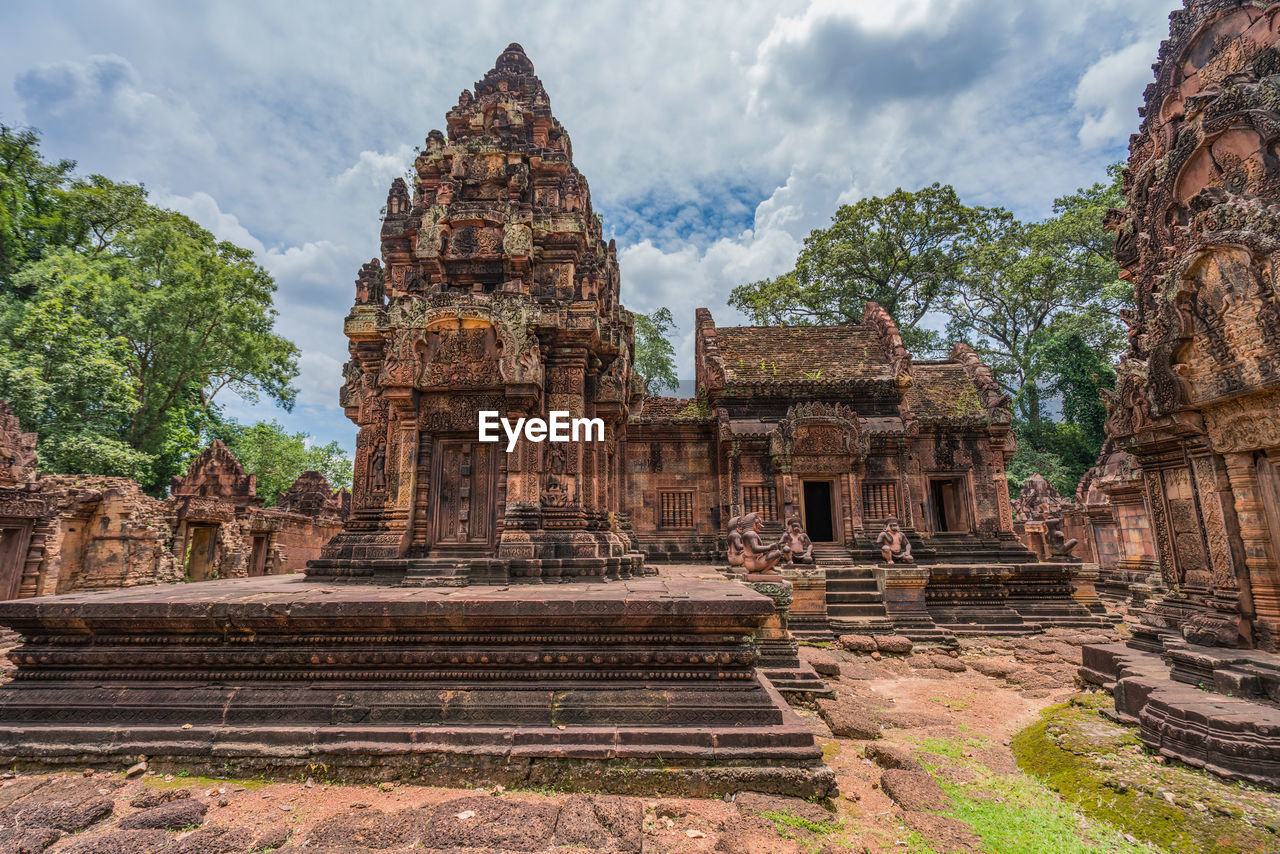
(943,391)
(754,354)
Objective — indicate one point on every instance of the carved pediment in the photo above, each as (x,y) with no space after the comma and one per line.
(819,429)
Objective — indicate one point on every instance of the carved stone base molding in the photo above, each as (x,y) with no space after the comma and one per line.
(779,653)
(282,676)
(1229,729)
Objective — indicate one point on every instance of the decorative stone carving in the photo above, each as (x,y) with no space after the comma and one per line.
(501,294)
(17,450)
(796,542)
(757,556)
(735,544)
(894,545)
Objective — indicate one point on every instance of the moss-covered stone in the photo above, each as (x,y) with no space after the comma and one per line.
(1102,768)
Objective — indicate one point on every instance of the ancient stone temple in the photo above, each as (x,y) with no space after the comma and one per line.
(62,533)
(841,428)
(405,651)
(1110,510)
(495,293)
(837,425)
(1197,404)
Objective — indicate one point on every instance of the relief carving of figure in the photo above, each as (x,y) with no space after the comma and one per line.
(1055,540)
(736,556)
(894,545)
(757,556)
(796,542)
(378,474)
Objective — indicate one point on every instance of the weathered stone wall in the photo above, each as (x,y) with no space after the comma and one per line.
(104,532)
(64,533)
(292,539)
(672,483)
(1198,392)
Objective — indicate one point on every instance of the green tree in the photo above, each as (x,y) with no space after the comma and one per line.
(32,214)
(904,251)
(1029,292)
(277,456)
(655,357)
(1060,453)
(101,290)
(1078,374)
(1041,303)
(65,376)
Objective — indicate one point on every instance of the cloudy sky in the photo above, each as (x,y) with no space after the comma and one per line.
(715,136)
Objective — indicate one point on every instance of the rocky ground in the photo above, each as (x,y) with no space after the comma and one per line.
(931,747)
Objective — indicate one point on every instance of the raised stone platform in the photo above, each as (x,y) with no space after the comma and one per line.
(610,686)
(1233,736)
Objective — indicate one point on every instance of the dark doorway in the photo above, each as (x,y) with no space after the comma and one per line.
(947,506)
(818,523)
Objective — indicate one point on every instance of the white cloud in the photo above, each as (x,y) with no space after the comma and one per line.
(102,102)
(204,209)
(319,378)
(1110,92)
(714,141)
(376,169)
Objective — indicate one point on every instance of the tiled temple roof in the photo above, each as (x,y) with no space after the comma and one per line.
(943,391)
(754,354)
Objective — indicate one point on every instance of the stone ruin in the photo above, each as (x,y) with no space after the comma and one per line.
(843,429)
(482,616)
(485,616)
(1196,410)
(63,533)
(495,292)
(1048,524)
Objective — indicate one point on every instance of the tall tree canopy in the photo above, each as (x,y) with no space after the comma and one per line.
(121,323)
(1039,301)
(655,357)
(1036,299)
(277,456)
(904,251)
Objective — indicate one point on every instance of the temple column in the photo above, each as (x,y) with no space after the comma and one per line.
(1259,594)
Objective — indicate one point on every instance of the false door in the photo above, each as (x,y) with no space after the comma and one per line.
(464,494)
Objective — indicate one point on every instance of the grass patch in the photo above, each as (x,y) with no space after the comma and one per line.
(810,834)
(1102,768)
(1014,813)
(786,819)
(953,705)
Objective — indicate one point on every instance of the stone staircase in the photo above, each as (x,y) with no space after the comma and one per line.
(854,603)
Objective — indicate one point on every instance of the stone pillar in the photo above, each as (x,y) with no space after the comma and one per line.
(1259,592)
(1084,580)
(903,587)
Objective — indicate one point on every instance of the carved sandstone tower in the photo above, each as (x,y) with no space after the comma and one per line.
(495,292)
(1197,400)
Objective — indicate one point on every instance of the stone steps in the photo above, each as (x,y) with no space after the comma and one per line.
(855,604)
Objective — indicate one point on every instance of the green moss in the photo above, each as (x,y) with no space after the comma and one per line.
(1014,813)
(812,835)
(188,781)
(1102,768)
